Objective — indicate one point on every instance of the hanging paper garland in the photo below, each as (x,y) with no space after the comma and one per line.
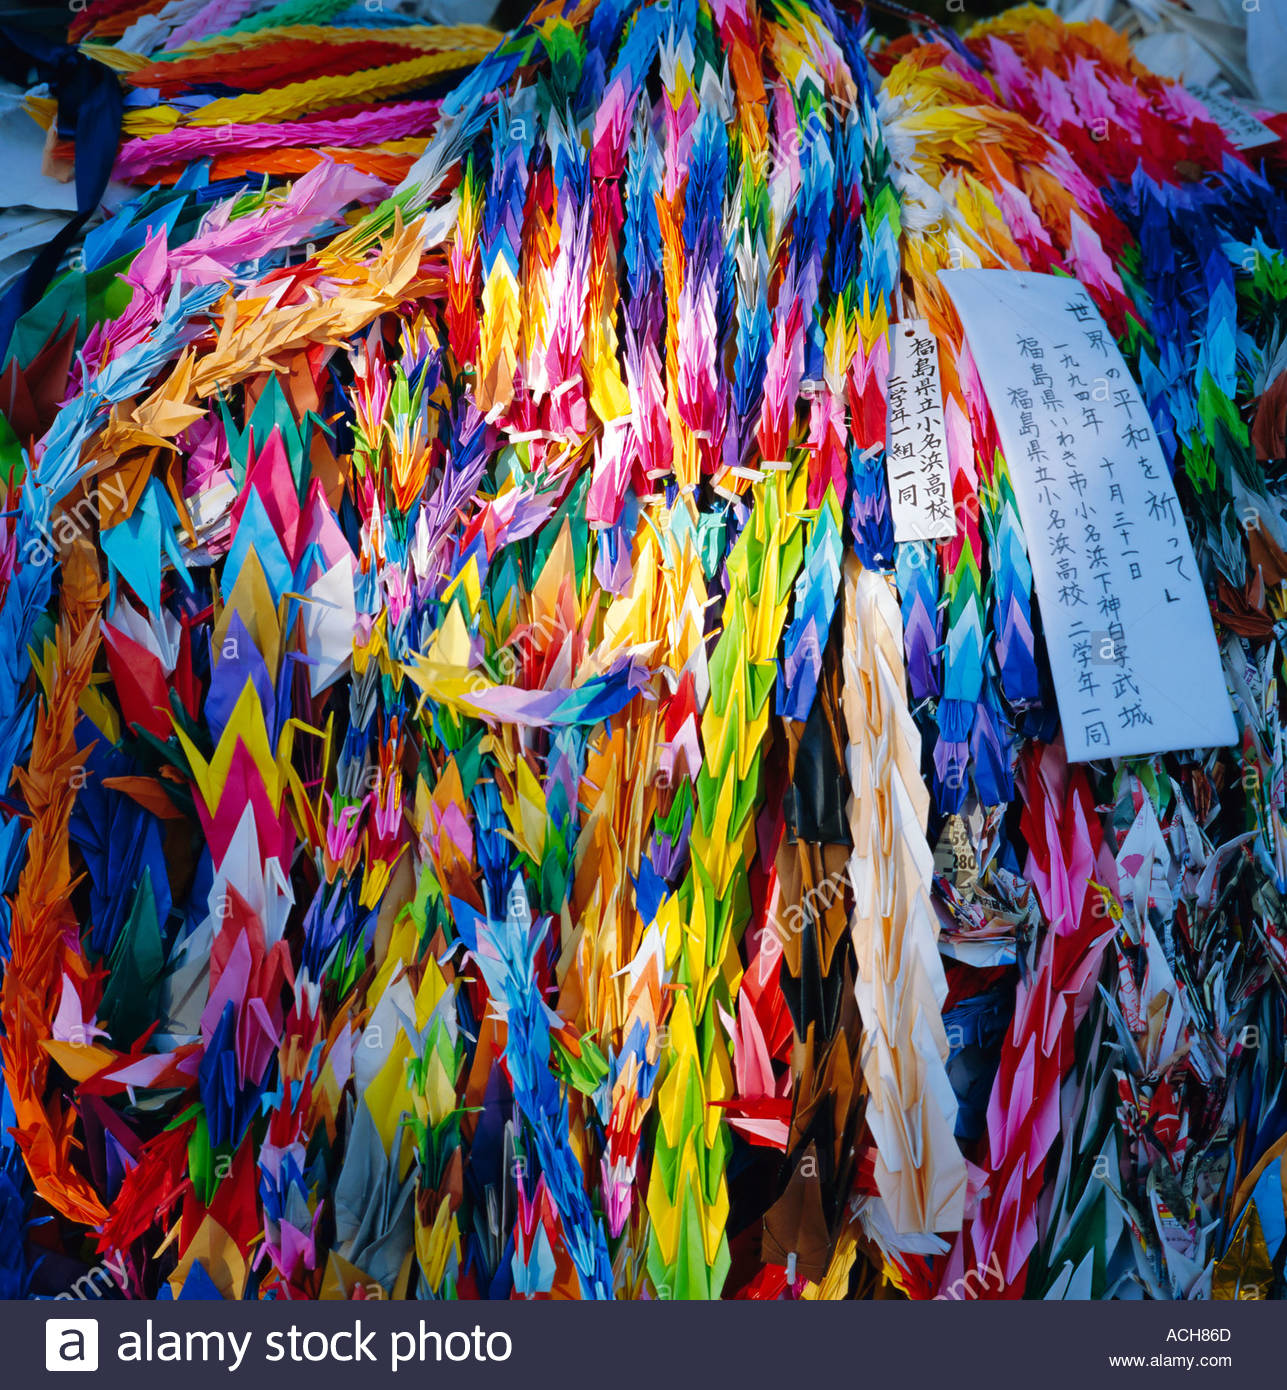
(496,803)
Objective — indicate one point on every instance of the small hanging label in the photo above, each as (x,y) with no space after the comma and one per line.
(920,485)
(1244,131)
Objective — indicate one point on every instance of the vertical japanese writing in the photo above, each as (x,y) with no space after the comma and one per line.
(920,488)
(1112,562)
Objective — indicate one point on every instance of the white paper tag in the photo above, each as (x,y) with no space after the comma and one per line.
(920,484)
(1245,132)
(1132,650)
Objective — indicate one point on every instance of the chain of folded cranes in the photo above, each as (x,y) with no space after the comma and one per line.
(489,808)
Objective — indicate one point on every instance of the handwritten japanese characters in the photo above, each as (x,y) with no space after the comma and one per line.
(1132,650)
(920,487)
(1245,132)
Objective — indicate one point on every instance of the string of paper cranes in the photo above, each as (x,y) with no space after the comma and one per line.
(641,658)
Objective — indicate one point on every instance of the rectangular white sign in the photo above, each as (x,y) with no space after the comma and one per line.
(1132,650)
(920,484)
(1243,130)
